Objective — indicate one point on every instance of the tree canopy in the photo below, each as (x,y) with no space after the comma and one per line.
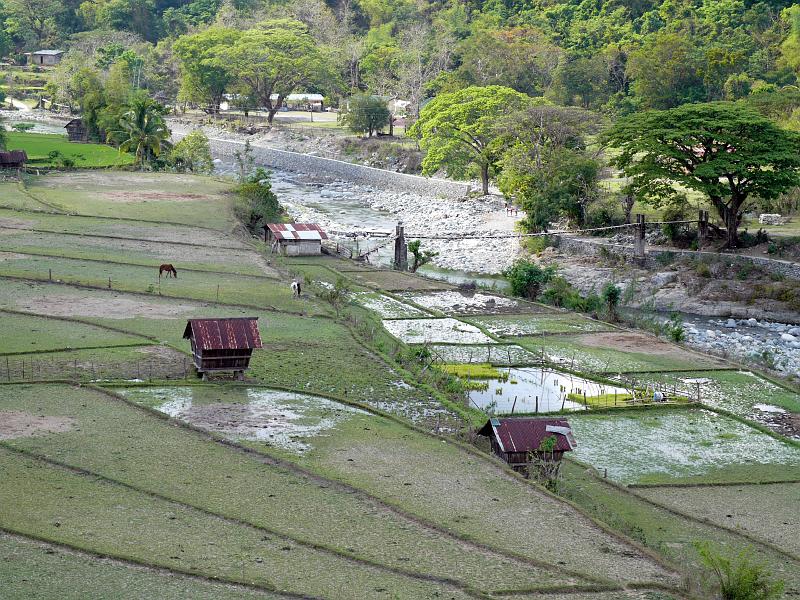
(724,150)
(458,130)
(272,60)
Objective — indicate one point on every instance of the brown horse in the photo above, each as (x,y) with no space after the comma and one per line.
(168,269)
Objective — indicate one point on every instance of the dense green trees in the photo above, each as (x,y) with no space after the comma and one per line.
(606,55)
(724,150)
(204,79)
(458,130)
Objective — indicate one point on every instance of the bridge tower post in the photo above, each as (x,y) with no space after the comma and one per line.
(400,248)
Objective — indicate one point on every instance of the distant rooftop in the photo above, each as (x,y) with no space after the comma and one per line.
(48,52)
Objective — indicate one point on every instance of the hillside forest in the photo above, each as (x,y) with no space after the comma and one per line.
(542,97)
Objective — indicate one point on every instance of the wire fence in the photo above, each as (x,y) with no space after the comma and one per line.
(19,369)
(500,236)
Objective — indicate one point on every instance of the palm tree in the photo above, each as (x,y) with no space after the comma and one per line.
(142,130)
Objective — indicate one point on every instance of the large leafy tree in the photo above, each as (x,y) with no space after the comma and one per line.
(142,130)
(667,71)
(546,166)
(203,78)
(724,150)
(459,130)
(273,60)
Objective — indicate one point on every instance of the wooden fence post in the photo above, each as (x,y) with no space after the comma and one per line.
(638,239)
(400,248)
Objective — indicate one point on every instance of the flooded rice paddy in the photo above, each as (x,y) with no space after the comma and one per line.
(282,419)
(496,354)
(386,307)
(535,390)
(641,447)
(465,302)
(441,331)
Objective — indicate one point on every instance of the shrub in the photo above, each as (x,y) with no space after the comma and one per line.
(560,293)
(676,233)
(739,578)
(674,328)
(421,257)
(193,154)
(611,296)
(536,245)
(528,278)
(703,270)
(744,270)
(748,240)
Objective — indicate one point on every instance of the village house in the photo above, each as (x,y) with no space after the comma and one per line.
(76,131)
(222,344)
(45,58)
(295,239)
(312,102)
(521,440)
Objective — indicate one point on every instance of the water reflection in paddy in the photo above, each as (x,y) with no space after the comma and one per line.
(531,389)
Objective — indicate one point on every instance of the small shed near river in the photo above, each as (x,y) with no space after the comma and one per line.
(295,239)
(519,439)
(223,344)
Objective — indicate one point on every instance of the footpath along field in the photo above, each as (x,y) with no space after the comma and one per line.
(325,474)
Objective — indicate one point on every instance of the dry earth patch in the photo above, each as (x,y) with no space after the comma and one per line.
(17,424)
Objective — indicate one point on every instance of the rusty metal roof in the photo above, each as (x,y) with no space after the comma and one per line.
(297,231)
(13,157)
(525,434)
(224,334)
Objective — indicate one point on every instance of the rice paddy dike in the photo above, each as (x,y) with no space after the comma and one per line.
(341,467)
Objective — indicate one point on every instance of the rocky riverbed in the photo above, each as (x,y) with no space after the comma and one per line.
(748,340)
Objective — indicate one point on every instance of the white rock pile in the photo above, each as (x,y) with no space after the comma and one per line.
(750,340)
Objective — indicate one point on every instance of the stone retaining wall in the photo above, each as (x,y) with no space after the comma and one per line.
(306,163)
(658,258)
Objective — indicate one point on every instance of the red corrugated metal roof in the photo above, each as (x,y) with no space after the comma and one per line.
(224,334)
(297,231)
(13,157)
(525,434)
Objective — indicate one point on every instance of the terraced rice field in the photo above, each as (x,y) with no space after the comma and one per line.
(323,475)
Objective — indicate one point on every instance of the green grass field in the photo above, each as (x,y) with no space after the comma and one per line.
(27,333)
(238,487)
(159,197)
(38,147)
(31,569)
